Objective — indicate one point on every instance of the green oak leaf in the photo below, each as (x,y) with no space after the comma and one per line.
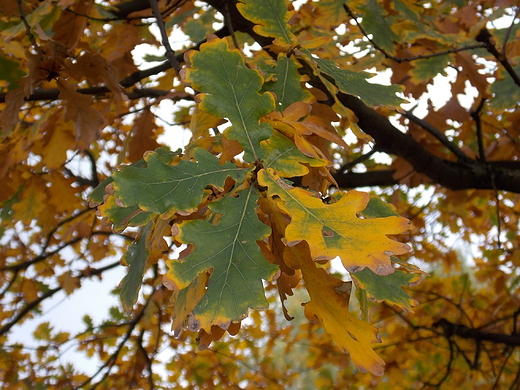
(229,250)
(164,154)
(122,217)
(163,189)
(375,23)
(11,71)
(387,288)
(426,69)
(281,154)
(271,18)
(286,83)
(355,83)
(506,93)
(135,257)
(377,208)
(231,90)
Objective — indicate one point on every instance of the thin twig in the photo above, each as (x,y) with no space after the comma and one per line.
(170,54)
(229,24)
(346,167)
(43,256)
(437,134)
(475,114)
(485,36)
(27,27)
(499,218)
(111,361)
(407,59)
(33,304)
(508,32)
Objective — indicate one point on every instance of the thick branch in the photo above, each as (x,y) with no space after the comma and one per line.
(124,9)
(463,331)
(502,175)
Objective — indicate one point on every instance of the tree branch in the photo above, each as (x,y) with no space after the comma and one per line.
(502,175)
(170,54)
(124,9)
(33,304)
(485,36)
(475,114)
(407,59)
(451,329)
(437,134)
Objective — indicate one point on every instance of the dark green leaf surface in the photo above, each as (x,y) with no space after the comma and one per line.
(231,90)
(355,83)
(286,83)
(229,249)
(386,288)
(136,257)
(163,189)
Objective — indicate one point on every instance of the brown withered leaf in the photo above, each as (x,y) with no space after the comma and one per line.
(143,136)
(78,108)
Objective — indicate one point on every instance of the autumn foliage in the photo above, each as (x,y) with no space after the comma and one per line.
(317,228)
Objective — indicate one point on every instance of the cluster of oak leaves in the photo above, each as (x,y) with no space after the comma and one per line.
(243,221)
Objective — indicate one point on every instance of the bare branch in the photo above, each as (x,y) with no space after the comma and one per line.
(33,304)
(407,59)
(485,37)
(437,134)
(451,329)
(26,25)
(170,54)
(508,32)
(475,114)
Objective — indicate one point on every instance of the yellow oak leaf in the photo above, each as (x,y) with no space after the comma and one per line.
(68,282)
(335,229)
(184,301)
(32,202)
(329,307)
(297,122)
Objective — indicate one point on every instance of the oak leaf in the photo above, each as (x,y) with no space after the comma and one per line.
(272,19)
(285,82)
(329,307)
(231,90)
(335,229)
(78,108)
(164,189)
(228,250)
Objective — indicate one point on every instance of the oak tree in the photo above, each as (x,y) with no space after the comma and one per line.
(319,227)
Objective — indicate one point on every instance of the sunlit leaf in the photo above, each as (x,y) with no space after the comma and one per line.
(329,307)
